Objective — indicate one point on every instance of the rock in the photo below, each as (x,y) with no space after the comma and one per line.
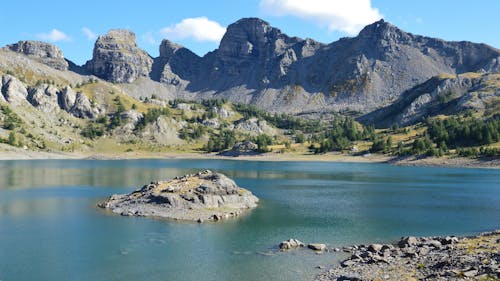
(171,67)
(242,148)
(348,263)
(212,123)
(255,127)
(13,90)
(290,244)
(375,248)
(117,58)
(83,108)
(132,116)
(44,98)
(205,196)
(470,272)
(434,243)
(407,241)
(67,98)
(317,247)
(46,53)
(348,278)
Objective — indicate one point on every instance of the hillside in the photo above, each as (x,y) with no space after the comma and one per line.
(260,85)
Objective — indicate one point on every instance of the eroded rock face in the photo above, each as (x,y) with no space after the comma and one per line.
(117,58)
(199,197)
(46,53)
(44,98)
(13,90)
(176,64)
(83,107)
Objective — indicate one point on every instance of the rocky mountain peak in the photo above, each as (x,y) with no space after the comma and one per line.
(46,53)
(247,37)
(383,30)
(168,48)
(117,58)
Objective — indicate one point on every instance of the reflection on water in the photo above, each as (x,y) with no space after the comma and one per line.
(51,229)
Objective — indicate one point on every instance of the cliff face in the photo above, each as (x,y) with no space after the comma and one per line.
(117,58)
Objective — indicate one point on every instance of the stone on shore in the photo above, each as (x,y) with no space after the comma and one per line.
(290,244)
(317,247)
(424,258)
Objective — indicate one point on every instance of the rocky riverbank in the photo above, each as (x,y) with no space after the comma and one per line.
(205,196)
(425,258)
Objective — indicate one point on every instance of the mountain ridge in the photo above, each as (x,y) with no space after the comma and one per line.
(258,64)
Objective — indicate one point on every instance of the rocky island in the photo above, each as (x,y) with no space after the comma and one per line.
(205,196)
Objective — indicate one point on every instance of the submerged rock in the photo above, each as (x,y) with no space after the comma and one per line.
(290,244)
(205,196)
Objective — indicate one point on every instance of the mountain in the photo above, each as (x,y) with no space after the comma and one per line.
(258,64)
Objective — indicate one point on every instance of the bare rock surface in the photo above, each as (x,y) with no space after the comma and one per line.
(117,58)
(46,53)
(205,196)
(423,258)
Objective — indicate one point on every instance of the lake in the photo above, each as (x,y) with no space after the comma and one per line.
(51,229)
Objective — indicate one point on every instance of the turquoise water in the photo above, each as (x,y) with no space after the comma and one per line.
(51,229)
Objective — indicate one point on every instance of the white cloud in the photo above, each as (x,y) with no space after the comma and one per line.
(54,36)
(348,16)
(91,35)
(200,29)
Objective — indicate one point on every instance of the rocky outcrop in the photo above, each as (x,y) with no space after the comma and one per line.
(46,53)
(254,127)
(47,98)
(117,58)
(44,98)
(205,196)
(176,64)
(242,148)
(13,90)
(440,95)
(422,258)
(83,108)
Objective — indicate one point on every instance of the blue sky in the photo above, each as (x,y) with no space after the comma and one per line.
(198,25)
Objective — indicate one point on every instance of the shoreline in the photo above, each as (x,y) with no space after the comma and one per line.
(421,258)
(412,161)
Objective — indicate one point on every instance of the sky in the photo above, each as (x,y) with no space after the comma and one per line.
(200,24)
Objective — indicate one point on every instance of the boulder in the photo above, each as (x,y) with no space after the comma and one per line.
(407,241)
(317,247)
(290,244)
(375,248)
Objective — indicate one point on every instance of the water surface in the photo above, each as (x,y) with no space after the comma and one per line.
(51,229)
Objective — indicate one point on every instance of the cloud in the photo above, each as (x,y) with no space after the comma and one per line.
(337,15)
(91,35)
(54,36)
(200,29)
